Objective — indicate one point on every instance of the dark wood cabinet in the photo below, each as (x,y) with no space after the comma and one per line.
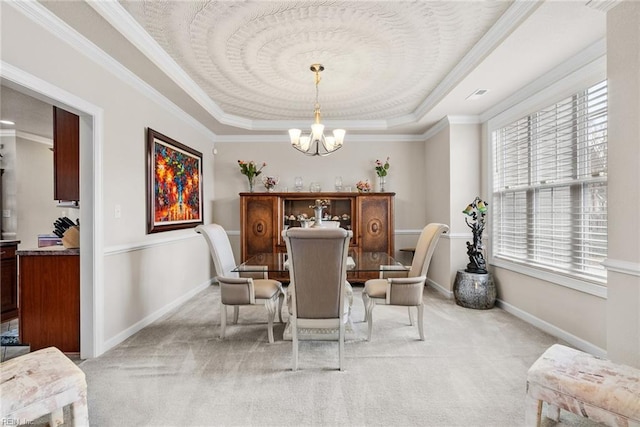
(9,283)
(66,155)
(50,298)
(265,215)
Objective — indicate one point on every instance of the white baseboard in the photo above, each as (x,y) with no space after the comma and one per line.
(136,327)
(446,292)
(547,327)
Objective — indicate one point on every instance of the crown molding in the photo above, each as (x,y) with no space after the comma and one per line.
(349,138)
(508,22)
(442,124)
(48,20)
(283,125)
(589,61)
(26,135)
(122,21)
(603,5)
(464,120)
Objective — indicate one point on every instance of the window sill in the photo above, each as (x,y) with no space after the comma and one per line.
(591,288)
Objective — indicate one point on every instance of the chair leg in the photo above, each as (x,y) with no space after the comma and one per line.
(369,316)
(349,295)
(223,320)
(365,301)
(236,311)
(341,346)
(420,321)
(280,302)
(294,341)
(270,305)
(410,316)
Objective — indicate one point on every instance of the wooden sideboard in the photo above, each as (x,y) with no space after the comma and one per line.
(263,216)
(50,298)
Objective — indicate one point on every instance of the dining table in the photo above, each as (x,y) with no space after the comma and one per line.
(361,266)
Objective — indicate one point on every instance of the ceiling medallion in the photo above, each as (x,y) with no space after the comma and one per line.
(316,143)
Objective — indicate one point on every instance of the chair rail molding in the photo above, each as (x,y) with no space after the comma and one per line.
(621,266)
(139,246)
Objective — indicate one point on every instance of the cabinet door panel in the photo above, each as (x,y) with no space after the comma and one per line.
(9,283)
(50,302)
(66,155)
(259,231)
(374,219)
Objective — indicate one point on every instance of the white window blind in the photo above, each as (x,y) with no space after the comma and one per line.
(550,187)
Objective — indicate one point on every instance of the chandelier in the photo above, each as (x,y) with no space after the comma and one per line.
(316,143)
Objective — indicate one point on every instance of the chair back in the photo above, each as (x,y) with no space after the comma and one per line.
(317,270)
(424,249)
(220,249)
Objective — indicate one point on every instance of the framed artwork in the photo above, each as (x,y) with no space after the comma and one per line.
(174,184)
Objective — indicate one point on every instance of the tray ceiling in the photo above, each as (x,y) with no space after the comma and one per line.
(241,68)
(252,58)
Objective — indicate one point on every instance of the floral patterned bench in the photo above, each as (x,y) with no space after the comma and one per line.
(588,386)
(41,383)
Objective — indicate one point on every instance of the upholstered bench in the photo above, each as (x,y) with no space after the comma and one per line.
(41,383)
(588,386)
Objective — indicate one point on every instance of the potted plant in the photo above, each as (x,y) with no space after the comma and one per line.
(251,171)
(382,170)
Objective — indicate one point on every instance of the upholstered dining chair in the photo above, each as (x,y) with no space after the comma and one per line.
(235,290)
(404,291)
(318,282)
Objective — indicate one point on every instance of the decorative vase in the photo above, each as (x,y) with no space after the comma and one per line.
(252,181)
(382,180)
(474,290)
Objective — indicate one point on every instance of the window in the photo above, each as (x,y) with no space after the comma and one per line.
(550,187)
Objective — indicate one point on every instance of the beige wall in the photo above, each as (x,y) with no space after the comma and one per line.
(436,189)
(453,163)
(623,69)
(353,162)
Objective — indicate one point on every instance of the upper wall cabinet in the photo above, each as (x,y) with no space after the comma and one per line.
(66,155)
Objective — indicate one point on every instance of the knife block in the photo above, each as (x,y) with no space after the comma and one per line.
(71,238)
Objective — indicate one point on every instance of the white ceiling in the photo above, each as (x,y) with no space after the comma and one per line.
(394,67)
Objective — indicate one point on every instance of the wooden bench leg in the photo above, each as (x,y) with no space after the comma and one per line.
(533,412)
(553,412)
(56,418)
(80,412)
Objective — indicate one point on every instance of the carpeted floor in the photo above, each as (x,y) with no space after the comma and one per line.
(470,371)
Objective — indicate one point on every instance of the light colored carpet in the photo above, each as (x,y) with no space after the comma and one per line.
(470,371)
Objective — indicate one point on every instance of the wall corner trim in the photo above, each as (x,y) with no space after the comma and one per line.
(620,266)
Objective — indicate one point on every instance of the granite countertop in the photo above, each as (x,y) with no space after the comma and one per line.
(48,251)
